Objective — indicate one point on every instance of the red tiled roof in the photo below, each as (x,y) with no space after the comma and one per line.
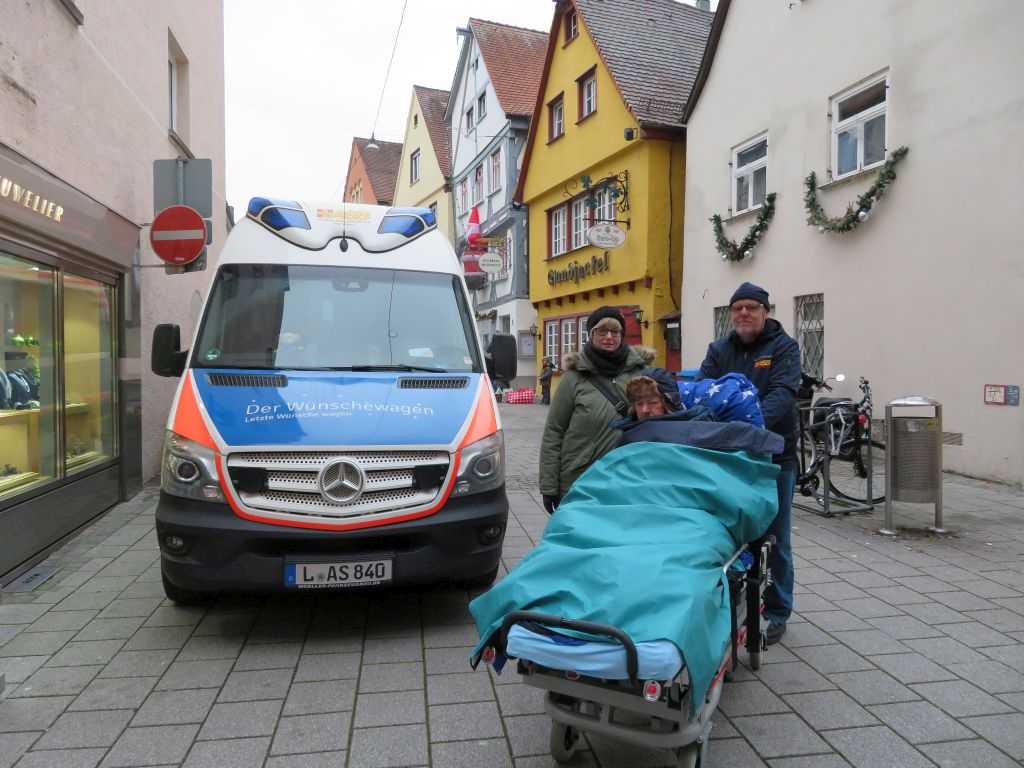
(433,103)
(381,166)
(514,58)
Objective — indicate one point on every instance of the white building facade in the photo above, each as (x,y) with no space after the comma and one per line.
(916,297)
(488,115)
(91,94)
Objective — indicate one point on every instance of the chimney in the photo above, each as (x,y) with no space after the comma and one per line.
(703,5)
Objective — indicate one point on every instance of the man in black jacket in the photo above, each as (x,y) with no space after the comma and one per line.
(760,349)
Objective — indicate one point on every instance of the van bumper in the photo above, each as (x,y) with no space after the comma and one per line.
(224,552)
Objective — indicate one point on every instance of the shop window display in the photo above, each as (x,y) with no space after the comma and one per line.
(28,417)
(88,373)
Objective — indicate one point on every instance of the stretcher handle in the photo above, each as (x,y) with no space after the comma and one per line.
(587,627)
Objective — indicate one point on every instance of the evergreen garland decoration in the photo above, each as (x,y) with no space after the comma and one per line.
(855,213)
(732,251)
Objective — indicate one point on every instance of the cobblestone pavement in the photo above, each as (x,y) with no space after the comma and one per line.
(903,653)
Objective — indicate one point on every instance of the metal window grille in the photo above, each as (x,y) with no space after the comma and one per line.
(809,321)
(723,322)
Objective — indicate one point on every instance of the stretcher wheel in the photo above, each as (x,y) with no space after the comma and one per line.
(692,755)
(564,741)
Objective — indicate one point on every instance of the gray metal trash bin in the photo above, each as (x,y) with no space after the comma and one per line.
(913,457)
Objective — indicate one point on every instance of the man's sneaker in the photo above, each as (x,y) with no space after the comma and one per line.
(775,632)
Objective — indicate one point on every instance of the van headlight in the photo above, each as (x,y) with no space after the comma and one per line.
(189,469)
(481,466)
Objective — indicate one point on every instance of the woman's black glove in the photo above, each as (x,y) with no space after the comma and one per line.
(551,503)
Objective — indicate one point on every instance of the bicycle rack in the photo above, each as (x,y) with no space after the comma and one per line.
(824,497)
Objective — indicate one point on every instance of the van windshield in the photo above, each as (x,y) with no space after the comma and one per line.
(272,316)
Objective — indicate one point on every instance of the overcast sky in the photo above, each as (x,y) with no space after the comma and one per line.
(304,77)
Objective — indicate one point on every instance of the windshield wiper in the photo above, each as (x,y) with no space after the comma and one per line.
(368,368)
(400,367)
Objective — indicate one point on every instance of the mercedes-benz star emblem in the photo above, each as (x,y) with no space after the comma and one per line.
(341,481)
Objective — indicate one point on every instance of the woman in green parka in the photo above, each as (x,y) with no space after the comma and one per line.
(578,430)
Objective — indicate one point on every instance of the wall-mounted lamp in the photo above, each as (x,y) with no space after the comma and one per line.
(639,315)
(533,331)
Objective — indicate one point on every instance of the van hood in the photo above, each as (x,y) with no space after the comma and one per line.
(337,409)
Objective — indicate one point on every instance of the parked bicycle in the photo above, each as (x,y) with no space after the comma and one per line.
(840,428)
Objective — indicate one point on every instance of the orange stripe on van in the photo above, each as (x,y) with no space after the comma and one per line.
(188,421)
(485,422)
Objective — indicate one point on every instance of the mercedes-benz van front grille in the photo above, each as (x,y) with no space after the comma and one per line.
(289,482)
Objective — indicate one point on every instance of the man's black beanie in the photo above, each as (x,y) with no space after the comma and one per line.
(601,313)
(753,292)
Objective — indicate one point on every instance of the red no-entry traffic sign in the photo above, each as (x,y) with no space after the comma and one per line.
(178,234)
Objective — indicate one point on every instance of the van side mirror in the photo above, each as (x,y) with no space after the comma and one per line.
(166,358)
(502,358)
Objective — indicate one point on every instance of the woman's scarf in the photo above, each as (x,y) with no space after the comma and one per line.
(607,364)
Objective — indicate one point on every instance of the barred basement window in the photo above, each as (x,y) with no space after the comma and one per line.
(809,322)
(723,322)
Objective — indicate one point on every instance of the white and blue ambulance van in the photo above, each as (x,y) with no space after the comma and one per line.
(334,425)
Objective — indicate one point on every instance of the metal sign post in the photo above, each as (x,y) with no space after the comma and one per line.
(189,182)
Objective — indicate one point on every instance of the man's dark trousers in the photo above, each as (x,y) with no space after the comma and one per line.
(778,598)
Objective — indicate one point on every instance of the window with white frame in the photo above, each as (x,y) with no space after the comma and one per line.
(605,209)
(809,322)
(556,118)
(414,167)
(481,106)
(569,335)
(750,174)
(578,226)
(478,184)
(557,226)
(469,121)
(859,127)
(583,332)
(572,26)
(588,95)
(462,197)
(551,341)
(495,166)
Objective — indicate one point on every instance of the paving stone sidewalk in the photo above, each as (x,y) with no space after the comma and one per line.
(906,652)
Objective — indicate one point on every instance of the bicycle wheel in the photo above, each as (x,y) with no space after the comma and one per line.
(848,476)
(807,485)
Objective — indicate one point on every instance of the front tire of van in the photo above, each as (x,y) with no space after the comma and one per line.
(181,596)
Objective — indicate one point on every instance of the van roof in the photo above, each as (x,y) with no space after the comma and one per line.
(312,226)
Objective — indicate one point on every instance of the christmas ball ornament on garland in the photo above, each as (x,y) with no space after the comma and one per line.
(733,251)
(855,213)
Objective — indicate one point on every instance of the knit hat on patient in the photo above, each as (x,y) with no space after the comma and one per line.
(653,382)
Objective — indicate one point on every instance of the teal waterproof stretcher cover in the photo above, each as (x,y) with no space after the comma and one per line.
(639,543)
